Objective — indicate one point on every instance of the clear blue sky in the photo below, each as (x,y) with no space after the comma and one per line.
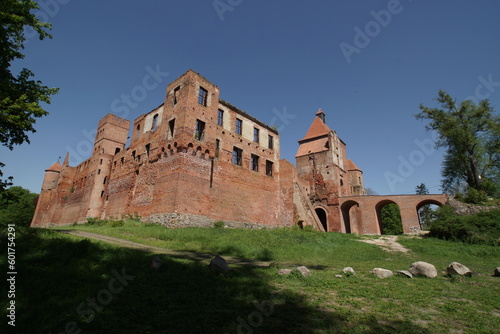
(367,64)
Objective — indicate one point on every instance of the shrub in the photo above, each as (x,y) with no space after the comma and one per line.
(475,196)
(219,224)
(481,228)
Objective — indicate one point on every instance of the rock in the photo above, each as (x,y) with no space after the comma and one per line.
(382,273)
(339,276)
(304,271)
(284,271)
(405,273)
(496,272)
(456,268)
(423,269)
(156,263)
(348,271)
(218,265)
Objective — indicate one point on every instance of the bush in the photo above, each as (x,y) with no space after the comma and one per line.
(219,224)
(475,196)
(481,228)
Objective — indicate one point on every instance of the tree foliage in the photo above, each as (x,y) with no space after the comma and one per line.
(391,219)
(470,133)
(17,206)
(20,95)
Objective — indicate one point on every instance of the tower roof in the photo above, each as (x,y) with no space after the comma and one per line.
(318,127)
(351,165)
(54,168)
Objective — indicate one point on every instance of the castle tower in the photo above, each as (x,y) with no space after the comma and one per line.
(110,139)
(322,170)
(47,194)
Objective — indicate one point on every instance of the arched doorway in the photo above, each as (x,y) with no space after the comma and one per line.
(389,217)
(322,217)
(425,211)
(350,216)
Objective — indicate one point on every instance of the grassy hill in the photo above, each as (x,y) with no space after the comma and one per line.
(66,284)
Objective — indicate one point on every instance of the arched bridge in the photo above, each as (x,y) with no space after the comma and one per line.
(361,214)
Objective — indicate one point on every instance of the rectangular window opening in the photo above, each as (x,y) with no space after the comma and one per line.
(270,142)
(200,130)
(269,168)
(148,148)
(155,123)
(256,135)
(171,127)
(176,92)
(220,117)
(217,147)
(237,156)
(202,96)
(254,163)
(239,126)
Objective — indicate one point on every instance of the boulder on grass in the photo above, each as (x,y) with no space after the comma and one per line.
(421,268)
(496,272)
(304,271)
(456,268)
(156,263)
(382,273)
(218,265)
(405,273)
(348,271)
(284,271)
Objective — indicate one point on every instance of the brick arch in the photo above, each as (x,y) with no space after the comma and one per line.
(350,216)
(429,201)
(322,214)
(378,209)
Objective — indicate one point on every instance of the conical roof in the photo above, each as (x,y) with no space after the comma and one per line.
(54,168)
(318,127)
(351,165)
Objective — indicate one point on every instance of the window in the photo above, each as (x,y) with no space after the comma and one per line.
(237,156)
(138,133)
(269,168)
(171,126)
(217,147)
(254,163)
(220,117)
(270,142)
(256,135)
(202,96)
(155,123)
(239,126)
(200,130)
(176,92)
(100,162)
(148,148)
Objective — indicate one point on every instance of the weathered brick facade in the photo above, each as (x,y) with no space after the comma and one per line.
(199,156)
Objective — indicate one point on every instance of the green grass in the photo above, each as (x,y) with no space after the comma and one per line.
(57,273)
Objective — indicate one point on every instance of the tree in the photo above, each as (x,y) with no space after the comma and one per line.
(20,95)
(425,213)
(370,192)
(391,219)
(17,206)
(470,134)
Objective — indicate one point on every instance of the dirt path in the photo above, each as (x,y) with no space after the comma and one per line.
(389,243)
(194,256)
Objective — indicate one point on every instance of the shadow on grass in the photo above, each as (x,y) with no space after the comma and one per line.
(66,285)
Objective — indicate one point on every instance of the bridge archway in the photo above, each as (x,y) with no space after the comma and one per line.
(350,216)
(424,209)
(323,217)
(388,227)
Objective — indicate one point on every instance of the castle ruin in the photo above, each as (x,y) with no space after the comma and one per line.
(198,159)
